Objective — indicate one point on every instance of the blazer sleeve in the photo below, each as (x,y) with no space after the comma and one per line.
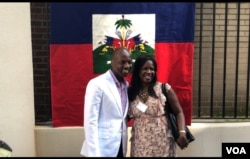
(91,110)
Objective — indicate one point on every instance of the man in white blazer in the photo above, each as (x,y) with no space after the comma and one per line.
(105,110)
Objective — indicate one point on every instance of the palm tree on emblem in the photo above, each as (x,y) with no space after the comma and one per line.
(123,24)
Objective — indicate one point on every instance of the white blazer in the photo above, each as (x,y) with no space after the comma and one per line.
(104,121)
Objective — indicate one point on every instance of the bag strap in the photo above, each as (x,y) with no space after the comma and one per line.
(163,88)
(167,105)
(164,91)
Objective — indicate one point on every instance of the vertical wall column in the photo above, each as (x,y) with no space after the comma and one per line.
(16,79)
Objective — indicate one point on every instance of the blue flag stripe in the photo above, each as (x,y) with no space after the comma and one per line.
(71,23)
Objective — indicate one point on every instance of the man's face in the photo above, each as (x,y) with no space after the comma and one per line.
(121,64)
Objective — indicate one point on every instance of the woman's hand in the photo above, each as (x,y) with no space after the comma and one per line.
(182,140)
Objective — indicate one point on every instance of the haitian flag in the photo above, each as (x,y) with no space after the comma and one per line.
(83,36)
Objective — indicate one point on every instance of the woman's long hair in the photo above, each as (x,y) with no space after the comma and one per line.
(135,83)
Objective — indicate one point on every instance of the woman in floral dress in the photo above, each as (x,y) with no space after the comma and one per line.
(151,136)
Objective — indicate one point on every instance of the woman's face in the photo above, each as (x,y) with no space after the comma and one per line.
(147,72)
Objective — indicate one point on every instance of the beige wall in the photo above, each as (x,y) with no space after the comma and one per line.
(16,79)
(67,141)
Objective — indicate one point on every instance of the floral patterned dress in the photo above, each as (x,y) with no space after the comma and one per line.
(150,136)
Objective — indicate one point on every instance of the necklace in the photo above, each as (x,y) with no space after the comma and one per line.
(143,94)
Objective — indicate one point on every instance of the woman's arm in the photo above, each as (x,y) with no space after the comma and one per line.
(177,110)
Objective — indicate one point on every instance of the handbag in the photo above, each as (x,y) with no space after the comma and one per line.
(172,120)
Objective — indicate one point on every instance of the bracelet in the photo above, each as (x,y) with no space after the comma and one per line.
(182,131)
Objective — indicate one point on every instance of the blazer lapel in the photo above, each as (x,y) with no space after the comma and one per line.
(126,109)
(114,91)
